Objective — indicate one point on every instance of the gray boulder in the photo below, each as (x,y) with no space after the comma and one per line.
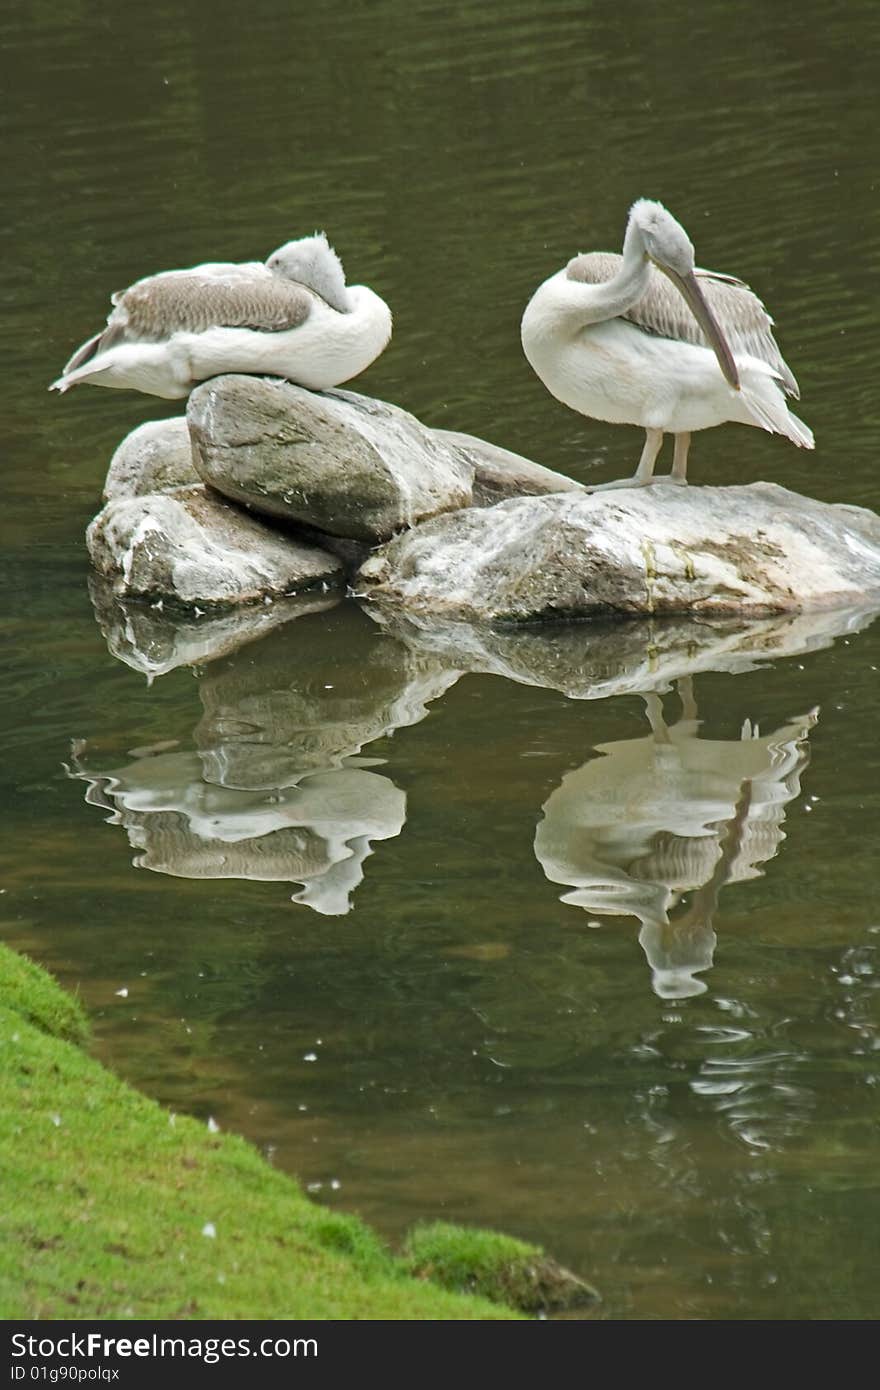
(336,461)
(190,548)
(743,551)
(153,458)
(500,474)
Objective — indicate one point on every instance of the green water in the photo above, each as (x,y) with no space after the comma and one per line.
(671,1078)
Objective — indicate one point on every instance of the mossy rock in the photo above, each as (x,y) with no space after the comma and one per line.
(497,1267)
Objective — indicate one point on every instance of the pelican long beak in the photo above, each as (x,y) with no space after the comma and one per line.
(689,288)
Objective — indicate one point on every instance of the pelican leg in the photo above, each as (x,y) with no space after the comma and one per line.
(680,459)
(654,711)
(645,471)
(644,474)
(685,687)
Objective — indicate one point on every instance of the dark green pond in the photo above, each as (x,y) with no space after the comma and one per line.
(573,934)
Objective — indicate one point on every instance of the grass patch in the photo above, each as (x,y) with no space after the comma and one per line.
(494,1266)
(113,1208)
(27,990)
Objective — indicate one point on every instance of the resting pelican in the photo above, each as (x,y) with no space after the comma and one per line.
(293,316)
(673,352)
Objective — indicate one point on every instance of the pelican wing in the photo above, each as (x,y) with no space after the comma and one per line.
(661,310)
(84,353)
(192,301)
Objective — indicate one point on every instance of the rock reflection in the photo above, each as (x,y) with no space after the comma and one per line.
(274,789)
(595,660)
(154,641)
(655,818)
(310,698)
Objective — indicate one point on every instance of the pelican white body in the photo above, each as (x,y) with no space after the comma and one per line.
(326,350)
(604,338)
(291,316)
(615,371)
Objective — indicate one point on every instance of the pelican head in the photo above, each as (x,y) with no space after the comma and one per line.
(311,261)
(665,242)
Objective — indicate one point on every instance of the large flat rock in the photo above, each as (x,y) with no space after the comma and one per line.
(339,462)
(745,551)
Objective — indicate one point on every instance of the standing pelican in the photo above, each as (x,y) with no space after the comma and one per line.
(292,316)
(673,352)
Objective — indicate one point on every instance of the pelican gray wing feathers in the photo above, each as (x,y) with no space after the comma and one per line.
(192,301)
(662,311)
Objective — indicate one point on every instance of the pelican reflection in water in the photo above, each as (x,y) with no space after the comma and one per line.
(667,814)
(293,316)
(316,832)
(648,339)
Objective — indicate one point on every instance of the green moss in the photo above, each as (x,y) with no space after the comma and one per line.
(113,1208)
(495,1266)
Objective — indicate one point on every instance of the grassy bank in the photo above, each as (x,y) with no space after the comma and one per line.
(112,1208)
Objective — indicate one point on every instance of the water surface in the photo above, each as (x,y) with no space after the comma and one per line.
(570,934)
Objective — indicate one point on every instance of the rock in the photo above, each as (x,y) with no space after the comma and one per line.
(153,458)
(336,461)
(351,554)
(497,1267)
(153,639)
(499,474)
(190,548)
(711,551)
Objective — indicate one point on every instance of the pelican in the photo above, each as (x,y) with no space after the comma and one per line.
(673,352)
(291,316)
